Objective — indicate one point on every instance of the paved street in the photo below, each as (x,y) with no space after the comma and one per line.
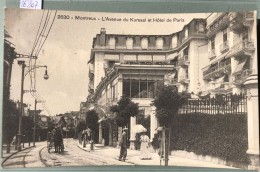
(75,155)
(72,156)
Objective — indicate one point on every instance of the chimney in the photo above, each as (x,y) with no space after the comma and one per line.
(103,31)
(102,38)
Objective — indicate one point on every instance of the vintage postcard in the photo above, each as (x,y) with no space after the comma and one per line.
(87,88)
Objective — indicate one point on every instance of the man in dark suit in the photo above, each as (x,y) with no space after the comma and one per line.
(123,144)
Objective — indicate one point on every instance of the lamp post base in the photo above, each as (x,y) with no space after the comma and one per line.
(132,144)
(19,141)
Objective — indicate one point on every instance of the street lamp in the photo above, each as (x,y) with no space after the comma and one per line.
(46,76)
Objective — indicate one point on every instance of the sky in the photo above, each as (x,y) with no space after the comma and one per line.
(67,50)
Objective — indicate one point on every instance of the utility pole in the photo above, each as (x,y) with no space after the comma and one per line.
(19,135)
(34,122)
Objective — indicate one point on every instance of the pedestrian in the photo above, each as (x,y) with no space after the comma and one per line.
(123,144)
(54,132)
(144,149)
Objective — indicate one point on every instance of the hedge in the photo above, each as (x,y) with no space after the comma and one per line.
(223,136)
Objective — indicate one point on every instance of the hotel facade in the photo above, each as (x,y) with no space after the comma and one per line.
(208,56)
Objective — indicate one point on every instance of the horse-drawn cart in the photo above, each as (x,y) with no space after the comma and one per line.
(50,141)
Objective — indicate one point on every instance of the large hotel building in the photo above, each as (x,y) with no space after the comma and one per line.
(207,57)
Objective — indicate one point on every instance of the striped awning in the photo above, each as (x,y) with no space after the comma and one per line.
(158,58)
(144,58)
(240,66)
(129,57)
(114,57)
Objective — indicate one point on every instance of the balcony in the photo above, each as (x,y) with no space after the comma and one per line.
(224,47)
(212,54)
(184,79)
(242,48)
(216,71)
(184,61)
(240,78)
(241,20)
(218,25)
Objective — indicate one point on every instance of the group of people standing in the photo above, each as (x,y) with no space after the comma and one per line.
(87,138)
(144,148)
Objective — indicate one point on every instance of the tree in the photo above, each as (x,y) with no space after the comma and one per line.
(27,125)
(125,109)
(10,122)
(81,126)
(92,122)
(168,102)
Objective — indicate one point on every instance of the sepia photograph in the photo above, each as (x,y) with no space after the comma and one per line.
(129,89)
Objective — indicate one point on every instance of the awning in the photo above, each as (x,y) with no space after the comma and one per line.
(129,57)
(172,56)
(240,66)
(219,58)
(114,57)
(144,58)
(159,58)
(219,81)
(143,77)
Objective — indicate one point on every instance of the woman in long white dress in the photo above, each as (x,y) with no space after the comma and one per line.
(144,149)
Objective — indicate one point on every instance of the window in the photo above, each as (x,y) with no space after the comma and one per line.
(113,92)
(112,43)
(144,43)
(201,27)
(111,64)
(245,35)
(212,41)
(174,41)
(186,33)
(159,43)
(126,88)
(129,43)
(135,88)
(225,35)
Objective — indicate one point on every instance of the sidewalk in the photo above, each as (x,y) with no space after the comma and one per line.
(133,158)
(5,155)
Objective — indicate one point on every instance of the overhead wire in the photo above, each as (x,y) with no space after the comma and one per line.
(38,44)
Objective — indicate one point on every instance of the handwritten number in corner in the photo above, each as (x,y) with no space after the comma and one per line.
(30,4)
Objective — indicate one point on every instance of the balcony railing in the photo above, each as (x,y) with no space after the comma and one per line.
(241,20)
(184,60)
(224,47)
(240,78)
(219,24)
(242,47)
(216,71)
(212,54)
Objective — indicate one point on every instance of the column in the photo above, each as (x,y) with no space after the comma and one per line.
(100,133)
(251,85)
(153,123)
(120,87)
(132,133)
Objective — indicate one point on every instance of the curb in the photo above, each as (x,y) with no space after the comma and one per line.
(14,154)
(43,160)
(82,148)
